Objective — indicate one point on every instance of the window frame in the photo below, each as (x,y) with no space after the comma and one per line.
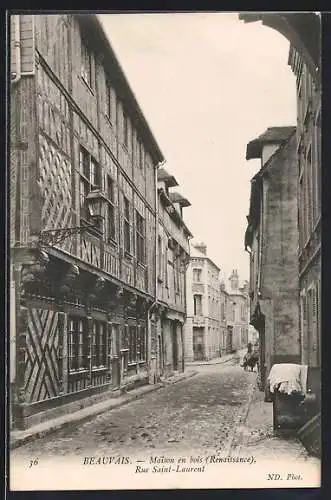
(109,102)
(87,64)
(198,311)
(111,208)
(140,238)
(87,178)
(99,344)
(197,272)
(77,345)
(127,225)
(125,129)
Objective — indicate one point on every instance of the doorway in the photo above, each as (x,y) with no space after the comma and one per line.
(174,345)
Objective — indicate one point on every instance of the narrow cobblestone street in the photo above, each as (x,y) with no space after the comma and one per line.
(196,414)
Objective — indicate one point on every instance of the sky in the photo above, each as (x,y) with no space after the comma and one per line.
(207,84)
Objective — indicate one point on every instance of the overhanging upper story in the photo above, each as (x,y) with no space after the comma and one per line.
(170,210)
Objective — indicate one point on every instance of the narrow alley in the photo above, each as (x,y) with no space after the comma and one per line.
(196,414)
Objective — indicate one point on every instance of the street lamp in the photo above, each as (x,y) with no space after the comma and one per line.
(95,201)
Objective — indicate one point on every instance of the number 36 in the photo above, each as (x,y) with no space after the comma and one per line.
(33,462)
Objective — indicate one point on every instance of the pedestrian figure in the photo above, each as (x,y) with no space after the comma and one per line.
(250,359)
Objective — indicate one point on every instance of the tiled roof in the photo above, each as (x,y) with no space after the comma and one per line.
(163,175)
(273,135)
(178,198)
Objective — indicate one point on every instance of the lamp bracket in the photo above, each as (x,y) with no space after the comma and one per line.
(52,237)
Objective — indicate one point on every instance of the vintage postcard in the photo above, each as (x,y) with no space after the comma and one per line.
(165,266)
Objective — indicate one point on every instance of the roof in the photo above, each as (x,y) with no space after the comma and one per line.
(169,180)
(178,198)
(273,135)
(195,253)
(119,80)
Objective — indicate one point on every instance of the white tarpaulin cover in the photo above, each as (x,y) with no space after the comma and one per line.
(288,378)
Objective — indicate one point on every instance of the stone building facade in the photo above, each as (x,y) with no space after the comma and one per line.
(272,240)
(83,220)
(172,260)
(309,158)
(203,335)
(237,314)
(224,315)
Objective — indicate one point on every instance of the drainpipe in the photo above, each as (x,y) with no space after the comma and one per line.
(155,302)
(17,45)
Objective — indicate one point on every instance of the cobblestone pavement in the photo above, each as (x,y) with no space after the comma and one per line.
(197,414)
(256,436)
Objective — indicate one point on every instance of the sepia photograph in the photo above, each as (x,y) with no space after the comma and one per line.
(164,173)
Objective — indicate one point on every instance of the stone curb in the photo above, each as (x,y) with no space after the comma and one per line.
(92,411)
(241,420)
(207,363)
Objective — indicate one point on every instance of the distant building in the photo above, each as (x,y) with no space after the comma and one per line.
(237,314)
(202,329)
(172,259)
(272,240)
(224,307)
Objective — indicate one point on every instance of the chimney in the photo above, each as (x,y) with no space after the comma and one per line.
(201,247)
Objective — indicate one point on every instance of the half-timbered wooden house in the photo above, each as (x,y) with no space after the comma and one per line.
(83,222)
(172,259)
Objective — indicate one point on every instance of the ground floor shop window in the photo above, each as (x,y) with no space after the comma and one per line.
(77,343)
(141,344)
(132,344)
(136,344)
(99,344)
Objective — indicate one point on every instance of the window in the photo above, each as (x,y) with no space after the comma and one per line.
(77,344)
(110,191)
(222,311)
(197,275)
(177,274)
(141,344)
(166,266)
(159,249)
(90,178)
(197,305)
(125,130)
(136,344)
(132,344)
(139,153)
(109,102)
(98,344)
(140,237)
(87,66)
(127,226)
